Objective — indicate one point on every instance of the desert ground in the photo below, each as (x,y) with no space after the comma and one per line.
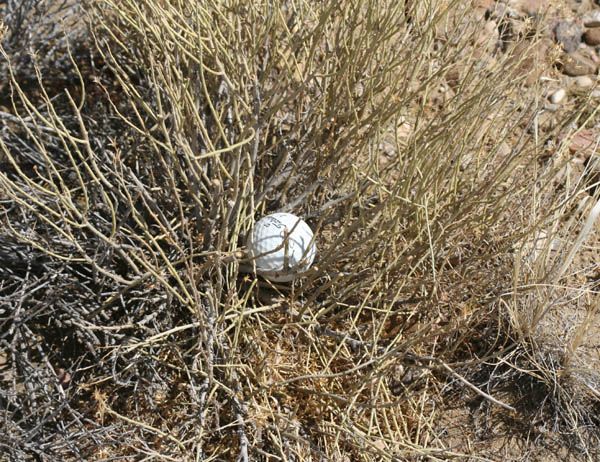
(445,154)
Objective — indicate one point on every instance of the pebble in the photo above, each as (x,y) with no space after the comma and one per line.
(502,11)
(484,4)
(558,96)
(530,60)
(527,7)
(592,36)
(590,54)
(453,77)
(504,150)
(388,149)
(575,64)
(584,81)
(583,143)
(592,19)
(595,94)
(568,34)
(488,36)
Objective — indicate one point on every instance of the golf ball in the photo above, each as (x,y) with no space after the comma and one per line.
(281,246)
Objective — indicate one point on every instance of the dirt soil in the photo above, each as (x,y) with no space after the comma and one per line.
(468,428)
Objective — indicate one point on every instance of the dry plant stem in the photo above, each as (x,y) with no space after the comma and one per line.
(477,390)
(128,188)
(356,344)
(585,232)
(145,426)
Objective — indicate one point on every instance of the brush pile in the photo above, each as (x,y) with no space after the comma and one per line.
(141,140)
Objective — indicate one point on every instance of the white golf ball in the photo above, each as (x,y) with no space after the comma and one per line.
(281,246)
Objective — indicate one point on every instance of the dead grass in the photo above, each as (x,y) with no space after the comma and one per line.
(126,195)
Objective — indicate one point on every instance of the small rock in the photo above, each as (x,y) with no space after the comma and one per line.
(503,150)
(558,96)
(589,53)
(485,4)
(583,81)
(465,162)
(527,7)
(575,64)
(440,96)
(388,149)
(488,36)
(64,377)
(5,370)
(583,144)
(502,11)
(531,60)
(453,77)
(579,7)
(482,8)
(595,94)
(403,129)
(592,36)
(568,34)
(592,19)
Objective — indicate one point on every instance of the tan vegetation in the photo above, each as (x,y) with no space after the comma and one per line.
(448,224)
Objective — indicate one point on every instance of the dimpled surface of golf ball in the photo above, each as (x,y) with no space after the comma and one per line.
(273,257)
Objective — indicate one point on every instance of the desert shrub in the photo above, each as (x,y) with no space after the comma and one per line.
(126,196)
